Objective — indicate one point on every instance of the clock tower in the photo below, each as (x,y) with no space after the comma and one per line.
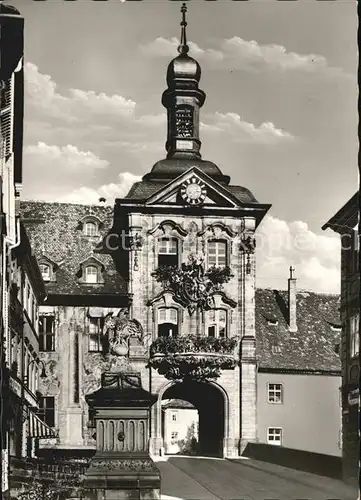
(191,275)
(183,98)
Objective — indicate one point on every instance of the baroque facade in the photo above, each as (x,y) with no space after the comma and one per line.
(346,222)
(174,260)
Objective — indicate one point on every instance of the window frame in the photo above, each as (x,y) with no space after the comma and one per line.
(45,410)
(98,342)
(44,335)
(354,339)
(216,322)
(275,392)
(96,274)
(45,265)
(168,319)
(217,254)
(168,253)
(174,437)
(274,442)
(93,224)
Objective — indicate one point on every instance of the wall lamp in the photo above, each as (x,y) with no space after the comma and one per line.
(43,370)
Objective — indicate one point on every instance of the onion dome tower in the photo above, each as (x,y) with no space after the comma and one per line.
(183,99)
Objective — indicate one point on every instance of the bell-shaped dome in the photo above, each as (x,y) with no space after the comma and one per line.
(183,68)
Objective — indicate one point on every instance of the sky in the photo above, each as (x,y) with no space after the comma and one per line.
(280,115)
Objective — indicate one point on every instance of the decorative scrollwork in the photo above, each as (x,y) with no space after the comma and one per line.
(191,284)
(135,465)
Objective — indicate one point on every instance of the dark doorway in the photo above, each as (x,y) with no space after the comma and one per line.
(209,401)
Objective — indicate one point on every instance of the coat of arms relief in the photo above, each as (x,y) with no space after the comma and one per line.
(192,285)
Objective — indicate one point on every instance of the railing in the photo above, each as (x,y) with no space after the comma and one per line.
(191,357)
(38,468)
(193,344)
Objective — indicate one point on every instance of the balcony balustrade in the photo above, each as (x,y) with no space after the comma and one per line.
(192,357)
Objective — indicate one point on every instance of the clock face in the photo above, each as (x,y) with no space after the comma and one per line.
(193,191)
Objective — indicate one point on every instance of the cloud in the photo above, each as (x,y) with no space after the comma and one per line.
(316,258)
(68,158)
(241,131)
(236,53)
(86,195)
(77,106)
(50,169)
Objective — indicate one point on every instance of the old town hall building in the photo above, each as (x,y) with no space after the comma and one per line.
(162,284)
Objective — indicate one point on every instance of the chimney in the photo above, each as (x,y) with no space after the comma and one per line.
(292,298)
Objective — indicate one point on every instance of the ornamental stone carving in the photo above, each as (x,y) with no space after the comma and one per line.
(192,286)
(120,330)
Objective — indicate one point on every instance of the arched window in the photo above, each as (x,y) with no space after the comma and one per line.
(91,274)
(168,252)
(217,253)
(217,323)
(90,229)
(45,271)
(167,322)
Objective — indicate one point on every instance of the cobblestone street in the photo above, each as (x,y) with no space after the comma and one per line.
(196,478)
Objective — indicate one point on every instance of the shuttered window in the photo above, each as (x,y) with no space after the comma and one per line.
(6,120)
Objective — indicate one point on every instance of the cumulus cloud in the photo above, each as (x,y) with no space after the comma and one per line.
(77,106)
(68,158)
(237,53)
(50,169)
(316,258)
(240,131)
(88,196)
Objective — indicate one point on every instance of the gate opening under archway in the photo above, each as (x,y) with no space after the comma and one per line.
(210,403)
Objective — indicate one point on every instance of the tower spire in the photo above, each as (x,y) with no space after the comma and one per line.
(183,48)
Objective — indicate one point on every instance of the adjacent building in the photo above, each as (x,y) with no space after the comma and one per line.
(345,222)
(299,370)
(179,427)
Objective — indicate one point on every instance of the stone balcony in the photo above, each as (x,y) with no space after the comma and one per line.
(192,357)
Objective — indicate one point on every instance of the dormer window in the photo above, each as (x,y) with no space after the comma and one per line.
(91,274)
(90,229)
(91,271)
(90,226)
(45,271)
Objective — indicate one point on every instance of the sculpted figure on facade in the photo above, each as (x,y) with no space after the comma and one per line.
(120,329)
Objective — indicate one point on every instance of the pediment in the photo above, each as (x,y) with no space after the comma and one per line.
(209,192)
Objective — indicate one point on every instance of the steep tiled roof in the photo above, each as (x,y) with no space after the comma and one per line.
(54,232)
(143,190)
(312,347)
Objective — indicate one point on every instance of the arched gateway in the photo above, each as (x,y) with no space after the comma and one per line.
(211,401)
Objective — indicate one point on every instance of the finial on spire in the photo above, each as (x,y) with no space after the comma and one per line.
(183,47)
(292,270)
